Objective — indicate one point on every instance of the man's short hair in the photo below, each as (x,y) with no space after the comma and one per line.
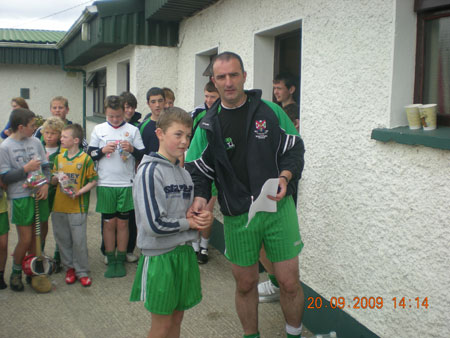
(154,91)
(114,102)
(53,123)
(288,79)
(226,56)
(292,110)
(171,115)
(129,99)
(77,131)
(168,94)
(210,87)
(20,116)
(61,99)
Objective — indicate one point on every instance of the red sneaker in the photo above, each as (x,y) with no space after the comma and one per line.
(70,276)
(85,281)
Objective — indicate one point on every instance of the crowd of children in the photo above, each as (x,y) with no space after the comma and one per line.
(144,203)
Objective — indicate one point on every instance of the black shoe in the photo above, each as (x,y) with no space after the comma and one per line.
(202,256)
(28,280)
(15,282)
(2,283)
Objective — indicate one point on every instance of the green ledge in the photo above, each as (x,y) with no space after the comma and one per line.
(438,138)
(319,317)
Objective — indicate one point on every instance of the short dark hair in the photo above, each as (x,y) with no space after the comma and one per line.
(292,110)
(77,131)
(20,116)
(129,99)
(60,99)
(226,56)
(114,102)
(168,93)
(210,87)
(288,79)
(171,115)
(154,91)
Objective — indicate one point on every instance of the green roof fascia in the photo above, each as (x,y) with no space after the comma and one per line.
(29,56)
(110,33)
(174,10)
(34,36)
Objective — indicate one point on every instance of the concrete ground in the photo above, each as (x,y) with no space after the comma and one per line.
(104,309)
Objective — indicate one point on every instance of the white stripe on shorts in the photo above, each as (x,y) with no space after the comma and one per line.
(144,278)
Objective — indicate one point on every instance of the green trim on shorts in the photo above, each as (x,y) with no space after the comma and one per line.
(22,210)
(279,231)
(4,223)
(114,199)
(168,282)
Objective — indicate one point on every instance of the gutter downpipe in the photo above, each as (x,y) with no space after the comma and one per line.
(63,66)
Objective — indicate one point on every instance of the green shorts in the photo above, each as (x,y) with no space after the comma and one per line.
(168,282)
(279,231)
(4,223)
(111,199)
(23,211)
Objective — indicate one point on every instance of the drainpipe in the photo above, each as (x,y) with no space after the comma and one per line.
(63,66)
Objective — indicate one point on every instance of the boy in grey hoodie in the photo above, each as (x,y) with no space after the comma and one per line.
(167,278)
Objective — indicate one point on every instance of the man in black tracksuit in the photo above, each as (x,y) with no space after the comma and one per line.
(242,142)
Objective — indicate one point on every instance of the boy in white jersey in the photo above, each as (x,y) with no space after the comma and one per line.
(116,145)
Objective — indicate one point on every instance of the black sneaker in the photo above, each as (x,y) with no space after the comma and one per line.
(2,283)
(15,282)
(202,256)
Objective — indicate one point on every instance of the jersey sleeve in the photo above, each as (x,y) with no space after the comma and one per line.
(91,174)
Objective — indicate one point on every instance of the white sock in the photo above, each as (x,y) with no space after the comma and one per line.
(204,242)
(295,331)
(196,246)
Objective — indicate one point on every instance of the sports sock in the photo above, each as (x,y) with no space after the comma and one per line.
(120,266)
(255,335)
(204,242)
(196,246)
(293,332)
(274,281)
(111,270)
(17,269)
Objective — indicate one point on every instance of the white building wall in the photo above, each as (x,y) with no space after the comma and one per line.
(149,67)
(373,216)
(44,82)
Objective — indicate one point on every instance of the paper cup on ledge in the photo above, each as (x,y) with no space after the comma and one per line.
(428,116)
(413,115)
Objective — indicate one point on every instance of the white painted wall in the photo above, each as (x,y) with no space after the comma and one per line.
(374,217)
(44,82)
(149,67)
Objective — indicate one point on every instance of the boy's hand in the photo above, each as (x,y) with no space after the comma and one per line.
(194,225)
(204,218)
(32,165)
(54,180)
(42,193)
(126,146)
(109,148)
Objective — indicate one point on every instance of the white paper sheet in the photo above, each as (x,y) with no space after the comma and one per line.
(262,203)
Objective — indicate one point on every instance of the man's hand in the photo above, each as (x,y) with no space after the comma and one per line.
(284,178)
(42,192)
(198,205)
(32,165)
(201,221)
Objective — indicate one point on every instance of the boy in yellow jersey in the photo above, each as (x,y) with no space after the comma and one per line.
(70,211)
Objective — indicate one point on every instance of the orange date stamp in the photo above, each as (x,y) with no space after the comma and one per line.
(366,303)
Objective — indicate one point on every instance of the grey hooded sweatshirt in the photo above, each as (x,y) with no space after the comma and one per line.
(162,194)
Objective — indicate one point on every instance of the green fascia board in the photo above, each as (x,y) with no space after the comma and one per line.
(29,56)
(174,10)
(118,7)
(30,36)
(438,138)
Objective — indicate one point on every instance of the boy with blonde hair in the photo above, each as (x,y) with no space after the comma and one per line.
(70,212)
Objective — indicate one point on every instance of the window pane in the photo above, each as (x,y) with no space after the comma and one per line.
(436,88)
